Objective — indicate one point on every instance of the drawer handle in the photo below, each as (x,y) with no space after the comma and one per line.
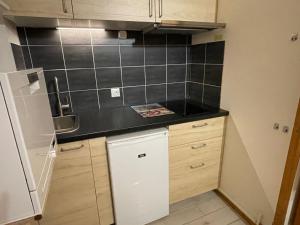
(197,166)
(72,149)
(200,125)
(199,146)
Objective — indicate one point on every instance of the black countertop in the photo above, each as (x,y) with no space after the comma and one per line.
(115,121)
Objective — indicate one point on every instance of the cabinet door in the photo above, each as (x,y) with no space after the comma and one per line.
(40,8)
(133,10)
(189,10)
(72,199)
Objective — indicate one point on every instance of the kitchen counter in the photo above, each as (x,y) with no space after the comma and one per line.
(120,120)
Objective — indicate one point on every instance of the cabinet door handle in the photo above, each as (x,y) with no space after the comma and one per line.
(72,149)
(160,8)
(197,166)
(65,10)
(200,125)
(150,8)
(198,146)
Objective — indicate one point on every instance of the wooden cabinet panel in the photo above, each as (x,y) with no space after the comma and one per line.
(40,8)
(195,131)
(72,200)
(123,10)
(102,180)
(190,10)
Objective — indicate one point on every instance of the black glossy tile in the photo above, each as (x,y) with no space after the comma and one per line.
(212,96)
(27,59)
(155,74)
(103,37)
(176,73)
(107,101)
(107,56)
(62,80)
(196,72)
(213,74)
(197,53)
(48,57)
(43,36)
(82,79)
(78,56)
(156,93)
(84,101)
(109,77)
(134,95)
(21,35)
(176,91)
(177,39)
(133,76)
(215,52)
(133,38)
(155,55)
(132,56)
(194,91)
(18,56)
(155,39)
(53,100)
(176,55)
(75,37)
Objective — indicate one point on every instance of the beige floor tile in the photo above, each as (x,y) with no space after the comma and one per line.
(183,204)
(222,216)
(238,222)
(182,216)
(209,202)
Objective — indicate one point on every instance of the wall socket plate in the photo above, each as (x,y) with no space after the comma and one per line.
(115,92)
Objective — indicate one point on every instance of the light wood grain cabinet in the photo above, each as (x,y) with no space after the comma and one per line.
(190,10)
(40,8)
(122,10)
(195,151)
(80,187)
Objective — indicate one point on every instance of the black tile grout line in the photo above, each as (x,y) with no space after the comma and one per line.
(100,89)
(28,47)
(66,72)
(210,85)
(204,73)
(166,67)
(121,73)
(96,80)
(145,76)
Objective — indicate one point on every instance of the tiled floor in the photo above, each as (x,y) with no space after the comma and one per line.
(206,209)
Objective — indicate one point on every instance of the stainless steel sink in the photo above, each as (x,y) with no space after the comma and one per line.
(66,124)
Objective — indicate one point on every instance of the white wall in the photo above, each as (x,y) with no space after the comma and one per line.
(261,85)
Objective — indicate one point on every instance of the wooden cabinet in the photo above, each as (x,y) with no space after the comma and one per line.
(123,10)
(40,8)
(194,155)
(190,10)
(80,188)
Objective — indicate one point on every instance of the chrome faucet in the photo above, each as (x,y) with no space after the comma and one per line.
(61,106)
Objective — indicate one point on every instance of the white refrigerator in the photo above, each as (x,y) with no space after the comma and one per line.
(139,172)
(28,144)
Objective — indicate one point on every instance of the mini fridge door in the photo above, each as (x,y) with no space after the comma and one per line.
(139,176)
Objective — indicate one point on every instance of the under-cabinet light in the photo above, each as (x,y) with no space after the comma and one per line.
(78,28)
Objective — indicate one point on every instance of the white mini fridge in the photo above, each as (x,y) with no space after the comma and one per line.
(139,172)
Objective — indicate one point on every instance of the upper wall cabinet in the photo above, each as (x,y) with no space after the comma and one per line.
(40,8)
(189,10)
(122,10)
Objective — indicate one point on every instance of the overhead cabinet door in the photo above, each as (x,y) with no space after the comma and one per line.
(189,10)
(40,8)
(123,10)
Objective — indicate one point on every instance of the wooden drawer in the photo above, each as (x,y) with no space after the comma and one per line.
(194,170)
(195,131)
(195,150)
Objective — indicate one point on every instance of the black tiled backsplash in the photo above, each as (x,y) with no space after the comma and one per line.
(147,68)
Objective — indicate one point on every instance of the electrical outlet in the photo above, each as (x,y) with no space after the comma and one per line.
(115,92)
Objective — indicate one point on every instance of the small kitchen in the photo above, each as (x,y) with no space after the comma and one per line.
(136,112)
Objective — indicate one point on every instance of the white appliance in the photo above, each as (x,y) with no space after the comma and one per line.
(28,144)
(139,170)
